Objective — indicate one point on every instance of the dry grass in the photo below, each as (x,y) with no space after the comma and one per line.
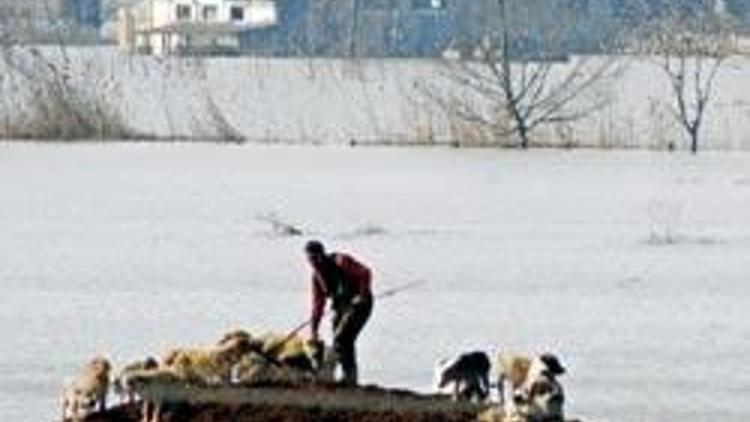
(54,104)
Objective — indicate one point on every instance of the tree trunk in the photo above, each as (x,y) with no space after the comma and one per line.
(694,140)
(523,133)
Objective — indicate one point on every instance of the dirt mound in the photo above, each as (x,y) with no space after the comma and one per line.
(260,413)
(307,404)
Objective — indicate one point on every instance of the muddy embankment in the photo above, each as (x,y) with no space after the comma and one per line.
(278,404)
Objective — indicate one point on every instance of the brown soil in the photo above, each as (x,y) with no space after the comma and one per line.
(326,404)
(227,413)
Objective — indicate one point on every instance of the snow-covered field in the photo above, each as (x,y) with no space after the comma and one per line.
(632,266)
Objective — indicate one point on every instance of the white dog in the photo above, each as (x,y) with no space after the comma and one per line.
(466,376)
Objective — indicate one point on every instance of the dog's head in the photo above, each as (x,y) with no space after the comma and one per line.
(544,365)
(444,373)
(552,364)
(100,366)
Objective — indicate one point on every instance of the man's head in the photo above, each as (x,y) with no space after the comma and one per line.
(316,253)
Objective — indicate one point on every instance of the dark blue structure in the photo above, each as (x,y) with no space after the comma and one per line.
(740,10)
(361,28)
(427,28)
(84,13)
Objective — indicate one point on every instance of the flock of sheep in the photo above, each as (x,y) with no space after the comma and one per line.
(238,358)
(528,388)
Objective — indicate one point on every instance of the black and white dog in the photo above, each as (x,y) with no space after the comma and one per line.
(464,377)
(528,387)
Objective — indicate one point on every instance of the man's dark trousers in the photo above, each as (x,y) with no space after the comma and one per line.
(347,324)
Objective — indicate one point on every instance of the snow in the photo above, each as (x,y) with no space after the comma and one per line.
(129,249)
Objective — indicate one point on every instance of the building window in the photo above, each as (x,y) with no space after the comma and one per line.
(184,12)
(237,13)
(210,13)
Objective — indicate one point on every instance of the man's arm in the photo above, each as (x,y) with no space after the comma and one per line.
(318,304)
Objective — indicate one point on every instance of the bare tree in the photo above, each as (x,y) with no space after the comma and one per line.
(527,79)
(690,52)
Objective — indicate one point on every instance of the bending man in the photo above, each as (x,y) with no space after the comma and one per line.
(347,283)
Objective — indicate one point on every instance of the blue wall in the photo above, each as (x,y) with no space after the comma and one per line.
(398,30)
(83,12)
(412,28)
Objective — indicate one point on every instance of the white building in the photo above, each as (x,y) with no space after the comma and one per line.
(164,27)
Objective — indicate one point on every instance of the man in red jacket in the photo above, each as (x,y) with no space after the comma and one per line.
(347,282)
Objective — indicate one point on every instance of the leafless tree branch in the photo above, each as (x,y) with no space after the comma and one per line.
(524,89)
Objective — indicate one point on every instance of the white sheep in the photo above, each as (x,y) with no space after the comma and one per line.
(308,355)
(283,357)
(121,383)
(207,366)
(87,392)
(154,380)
